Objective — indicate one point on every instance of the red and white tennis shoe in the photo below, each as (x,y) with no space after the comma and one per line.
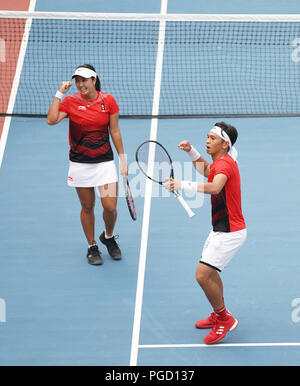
(220,329)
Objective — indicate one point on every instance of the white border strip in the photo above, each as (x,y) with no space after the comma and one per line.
(153,16)
(15,83)
(148,194)
(291,344)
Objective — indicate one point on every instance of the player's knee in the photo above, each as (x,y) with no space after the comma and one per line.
(109,205)
(110,209)
(201,277)
(87,209)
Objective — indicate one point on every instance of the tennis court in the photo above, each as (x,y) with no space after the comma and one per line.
(55,309)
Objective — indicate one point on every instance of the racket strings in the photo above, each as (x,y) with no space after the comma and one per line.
(154,161)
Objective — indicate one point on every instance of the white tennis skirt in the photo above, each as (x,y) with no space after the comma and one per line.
(220,247)
(89,175)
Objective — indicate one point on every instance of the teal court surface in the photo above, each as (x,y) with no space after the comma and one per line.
(57,310)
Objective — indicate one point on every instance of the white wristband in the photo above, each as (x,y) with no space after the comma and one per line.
(59,95)
(194,154)
(191,186)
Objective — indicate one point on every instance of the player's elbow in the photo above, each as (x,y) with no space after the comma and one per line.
(216,189)
(218,184)
(50,121)
(206,171)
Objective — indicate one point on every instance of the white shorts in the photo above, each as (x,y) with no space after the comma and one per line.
(220,247)
(88,175)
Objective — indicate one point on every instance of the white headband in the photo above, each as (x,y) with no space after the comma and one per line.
(222,134)
(84,72)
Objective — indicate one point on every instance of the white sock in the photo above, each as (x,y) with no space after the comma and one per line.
(108,237)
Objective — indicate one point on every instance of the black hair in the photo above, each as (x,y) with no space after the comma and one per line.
(90,67)
(230,130)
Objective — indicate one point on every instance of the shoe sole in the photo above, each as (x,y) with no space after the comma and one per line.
(234,325)
(97,263)
(100,263)
(116,258)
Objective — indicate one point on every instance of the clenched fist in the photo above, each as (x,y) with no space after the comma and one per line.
(65,87)
(185,145)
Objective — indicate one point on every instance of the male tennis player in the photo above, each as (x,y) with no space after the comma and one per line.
(93,115)
(228,226)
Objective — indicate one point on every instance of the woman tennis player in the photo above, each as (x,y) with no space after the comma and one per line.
(93,115)
(228,226)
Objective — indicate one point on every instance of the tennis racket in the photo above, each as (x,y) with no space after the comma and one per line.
(129,198)
(155,163)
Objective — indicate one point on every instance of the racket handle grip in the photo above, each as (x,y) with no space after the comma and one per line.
(185,206)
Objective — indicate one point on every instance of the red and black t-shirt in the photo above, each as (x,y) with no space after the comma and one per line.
(226,206)
(88,127)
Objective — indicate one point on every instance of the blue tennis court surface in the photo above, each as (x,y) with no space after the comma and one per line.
(56,309)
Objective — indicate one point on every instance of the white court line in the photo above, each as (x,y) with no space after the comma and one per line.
(148,191)
(295,344)
(16,81)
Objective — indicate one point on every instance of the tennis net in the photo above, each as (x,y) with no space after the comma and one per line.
(213,65)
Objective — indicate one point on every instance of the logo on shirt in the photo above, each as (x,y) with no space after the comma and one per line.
(81,107)
(102,107)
